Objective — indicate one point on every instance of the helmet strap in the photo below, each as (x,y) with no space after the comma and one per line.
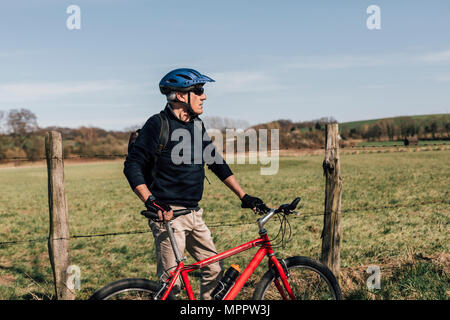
(190,111)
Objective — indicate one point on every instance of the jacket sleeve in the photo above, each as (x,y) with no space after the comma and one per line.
(143,152)
(218,166)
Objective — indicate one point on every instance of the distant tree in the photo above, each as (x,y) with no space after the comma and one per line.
(373,132)
(345,132)
(434,129)
(317,126)
(284,124)
(22,122)
(2,113)
(427,129)
(408,127)
(354,133)
(88,134)
(3,139)
(215,122)
(34,147)
(387,127)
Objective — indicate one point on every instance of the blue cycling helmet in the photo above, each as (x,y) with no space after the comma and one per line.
(182,80)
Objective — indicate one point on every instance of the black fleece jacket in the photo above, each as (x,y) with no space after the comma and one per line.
(175,183)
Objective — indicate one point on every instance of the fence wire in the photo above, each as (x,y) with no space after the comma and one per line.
(217,224)
(230,224)
(113,156)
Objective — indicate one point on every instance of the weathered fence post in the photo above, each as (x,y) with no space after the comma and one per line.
(331,234)
(58,241)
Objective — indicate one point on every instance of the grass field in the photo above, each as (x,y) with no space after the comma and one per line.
(425,117)
(400,143)
(396,215)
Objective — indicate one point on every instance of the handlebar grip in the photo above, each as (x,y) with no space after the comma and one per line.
(288,208)
(150,215)
(176,213)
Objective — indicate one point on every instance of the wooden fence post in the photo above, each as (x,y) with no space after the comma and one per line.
(58,241)
(331,234)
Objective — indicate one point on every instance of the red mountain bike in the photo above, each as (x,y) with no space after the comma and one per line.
(291,278)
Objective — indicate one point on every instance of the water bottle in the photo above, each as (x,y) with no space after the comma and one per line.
(226,282)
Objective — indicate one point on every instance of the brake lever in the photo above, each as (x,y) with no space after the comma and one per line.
(294,212)
(297,213)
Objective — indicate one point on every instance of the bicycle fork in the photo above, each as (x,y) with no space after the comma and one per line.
(281,272)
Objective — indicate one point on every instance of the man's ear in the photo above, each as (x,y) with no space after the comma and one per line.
(182,96)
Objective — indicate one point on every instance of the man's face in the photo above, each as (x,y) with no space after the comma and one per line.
(197,102)
(197,98)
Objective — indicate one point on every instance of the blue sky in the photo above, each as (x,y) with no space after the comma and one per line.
(298,60)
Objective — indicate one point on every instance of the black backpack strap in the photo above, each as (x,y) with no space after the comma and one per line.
(163,138)
(163,134)
(132,140)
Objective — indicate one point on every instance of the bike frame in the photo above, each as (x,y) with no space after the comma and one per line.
(265,250)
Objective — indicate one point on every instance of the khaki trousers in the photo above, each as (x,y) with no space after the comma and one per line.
(192,234)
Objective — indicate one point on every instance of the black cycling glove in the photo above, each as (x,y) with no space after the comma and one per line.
(155,205)
(253,202)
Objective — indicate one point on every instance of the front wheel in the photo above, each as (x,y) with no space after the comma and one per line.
(129,289)
(308,279)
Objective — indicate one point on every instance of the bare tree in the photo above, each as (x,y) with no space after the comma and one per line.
(434,129)
(21,125)
(22,122)
(2,113)
(327,120)
(214,122)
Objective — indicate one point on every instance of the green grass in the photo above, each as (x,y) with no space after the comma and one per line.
(410,190)
(411,280)
(426,117)
(400,143)
(357,124)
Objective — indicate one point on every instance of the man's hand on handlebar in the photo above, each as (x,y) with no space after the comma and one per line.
(254,203)
(164,211)
(168,215)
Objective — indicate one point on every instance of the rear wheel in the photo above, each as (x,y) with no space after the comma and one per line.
(129,289)
(308,279)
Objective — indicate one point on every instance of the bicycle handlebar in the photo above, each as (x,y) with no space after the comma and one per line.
(289,208)
(284,208)
(176,213)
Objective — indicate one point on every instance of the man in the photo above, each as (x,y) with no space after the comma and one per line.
(165,185)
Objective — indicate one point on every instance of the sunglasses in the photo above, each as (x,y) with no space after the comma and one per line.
(198,91)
